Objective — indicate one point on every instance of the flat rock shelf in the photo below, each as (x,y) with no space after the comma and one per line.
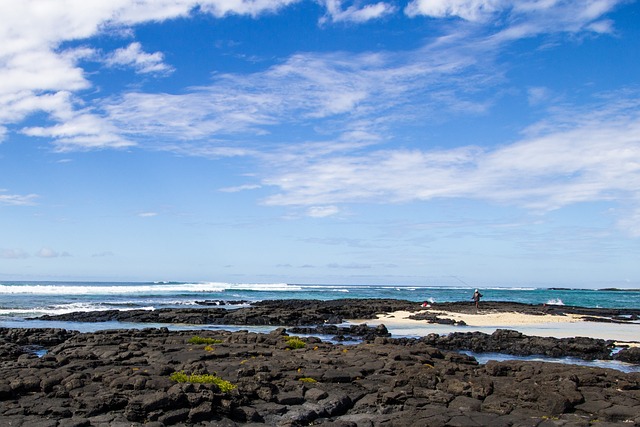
(124,378)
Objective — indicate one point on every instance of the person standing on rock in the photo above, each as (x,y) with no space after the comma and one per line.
(476,298)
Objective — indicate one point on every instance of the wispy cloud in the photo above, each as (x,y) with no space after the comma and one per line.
(355,95)
(51,253)
(523,17)
(322,211)
(35,70)
(582,158)
(79,131)
(471,10)
(38,76)
(142,62)
(17,199)
(239,188)
(452,74)
(336,12)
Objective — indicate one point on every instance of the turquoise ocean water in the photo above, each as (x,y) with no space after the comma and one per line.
(19,300)
(22,300)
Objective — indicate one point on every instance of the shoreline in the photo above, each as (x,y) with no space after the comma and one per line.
(402,317)
(545,325)
(546,330)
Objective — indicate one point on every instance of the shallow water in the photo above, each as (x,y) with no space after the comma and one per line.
(483,358)
(87,327)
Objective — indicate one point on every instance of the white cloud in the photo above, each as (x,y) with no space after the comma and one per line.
(50,253)
(588,157)
(538,95)
(147,214)
(80,130)
(471,10)
(240,188)
(523,18)
(252,8)
(359,93)
(37,76)
(322,211)
(353,13)
(33,68)
(17,199)
(142,62)
(192,116)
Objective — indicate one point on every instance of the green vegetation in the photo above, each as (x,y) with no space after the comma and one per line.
(307,380)
(201,340)
(295,342)
(224,385)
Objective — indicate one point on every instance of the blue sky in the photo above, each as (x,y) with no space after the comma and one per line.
(434,142)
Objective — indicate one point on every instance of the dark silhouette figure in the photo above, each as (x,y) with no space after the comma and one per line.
(476,298)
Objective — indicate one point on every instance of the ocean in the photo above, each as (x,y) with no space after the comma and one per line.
(22,302)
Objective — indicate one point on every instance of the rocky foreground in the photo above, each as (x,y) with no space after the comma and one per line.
(124,378)
(156,377)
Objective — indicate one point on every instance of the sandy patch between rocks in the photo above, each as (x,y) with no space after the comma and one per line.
(559,326)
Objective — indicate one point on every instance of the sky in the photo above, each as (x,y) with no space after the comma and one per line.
(418,142)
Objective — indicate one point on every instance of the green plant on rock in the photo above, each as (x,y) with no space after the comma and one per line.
(224,385)
(307,380)
(295,343)
(202,340)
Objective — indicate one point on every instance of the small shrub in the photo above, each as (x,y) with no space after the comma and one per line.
(179,377)
(307,380)
(201,340)
(224,385)
(295,343)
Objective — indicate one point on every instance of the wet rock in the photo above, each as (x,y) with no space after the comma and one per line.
(630,355)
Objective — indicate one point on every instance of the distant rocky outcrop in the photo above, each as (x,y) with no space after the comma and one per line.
(315,312)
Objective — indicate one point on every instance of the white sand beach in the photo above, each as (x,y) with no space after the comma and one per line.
(399,324)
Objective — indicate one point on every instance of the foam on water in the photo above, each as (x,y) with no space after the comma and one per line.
(143,288)
(64,309)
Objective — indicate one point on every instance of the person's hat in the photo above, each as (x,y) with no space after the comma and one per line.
(476,290)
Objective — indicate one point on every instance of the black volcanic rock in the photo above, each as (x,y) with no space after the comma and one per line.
(122,377)
(323,317)
(629,355)
(315,312)
(513,342)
